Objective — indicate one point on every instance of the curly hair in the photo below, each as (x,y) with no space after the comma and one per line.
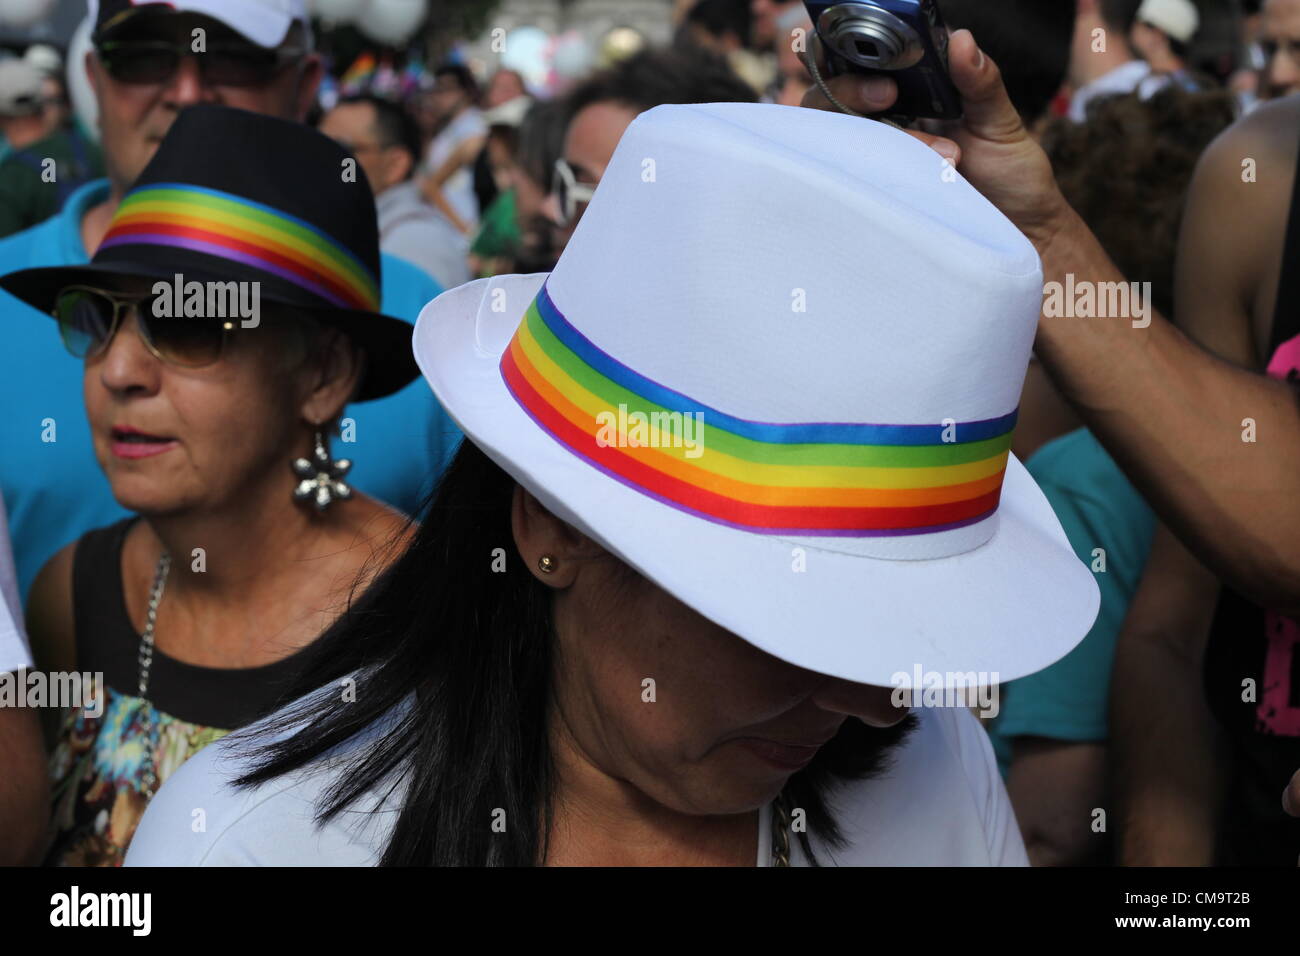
(1126,172)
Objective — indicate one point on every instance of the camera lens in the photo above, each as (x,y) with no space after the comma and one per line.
(870,36)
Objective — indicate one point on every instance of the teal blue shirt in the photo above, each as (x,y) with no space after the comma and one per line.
(55,490)
(1098,508)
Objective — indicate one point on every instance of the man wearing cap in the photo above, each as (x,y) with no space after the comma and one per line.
(43,163)
(1162,33)
(251,54)
(1101,60)
(386,142)
(446,180)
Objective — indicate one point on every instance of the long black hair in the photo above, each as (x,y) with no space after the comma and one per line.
(455,637)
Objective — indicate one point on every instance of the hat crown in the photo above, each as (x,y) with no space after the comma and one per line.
(788,266)
(791,265)
(256,196)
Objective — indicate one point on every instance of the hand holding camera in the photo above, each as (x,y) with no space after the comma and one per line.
(904,39)
(989,145)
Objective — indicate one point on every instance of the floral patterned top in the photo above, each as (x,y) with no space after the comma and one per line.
(99,764)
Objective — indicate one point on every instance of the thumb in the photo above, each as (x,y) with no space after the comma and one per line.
(987,107)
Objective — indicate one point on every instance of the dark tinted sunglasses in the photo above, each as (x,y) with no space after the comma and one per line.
(150,62)
(89,318)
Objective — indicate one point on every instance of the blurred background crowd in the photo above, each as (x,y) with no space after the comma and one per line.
(484,127)
(480,124)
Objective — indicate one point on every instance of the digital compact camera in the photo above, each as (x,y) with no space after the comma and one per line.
(905,39)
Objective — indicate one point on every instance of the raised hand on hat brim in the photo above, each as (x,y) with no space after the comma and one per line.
(990,144)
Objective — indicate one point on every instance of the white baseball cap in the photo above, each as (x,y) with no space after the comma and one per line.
(1178,18)
(265,22)
(20,88)
(841,326)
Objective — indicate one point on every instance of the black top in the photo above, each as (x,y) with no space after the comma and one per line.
(107,642)
(101,761)
(1248,642)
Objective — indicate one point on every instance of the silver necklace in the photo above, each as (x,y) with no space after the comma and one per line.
(146,662)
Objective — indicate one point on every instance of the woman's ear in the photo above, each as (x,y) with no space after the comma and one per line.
(333,374)
(538,533)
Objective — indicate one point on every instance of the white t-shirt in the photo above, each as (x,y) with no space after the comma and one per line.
(1124,79)
(459,187)
(15,654)
(941,804)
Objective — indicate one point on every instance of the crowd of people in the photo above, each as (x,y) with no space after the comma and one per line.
(710,439)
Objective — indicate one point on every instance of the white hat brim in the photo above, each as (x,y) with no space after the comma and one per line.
(1010,607)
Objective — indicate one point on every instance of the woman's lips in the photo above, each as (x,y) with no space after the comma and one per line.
(128,442)
(781,756)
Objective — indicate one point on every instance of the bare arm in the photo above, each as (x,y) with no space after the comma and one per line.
(1175,418)
(1054,787)
(1170,413)
(1166,750)
(1234,230)
(431,185)
(24,791)
(24,785)
(50,625)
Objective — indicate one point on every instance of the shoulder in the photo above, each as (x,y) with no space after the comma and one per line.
(200,818)
(379,536)
(471,123)
(1072,462)
(1252,162)
(941,803)
(57,240)
(31,247)
(1273,127)
(1076,472)
(50,622)
(406,288)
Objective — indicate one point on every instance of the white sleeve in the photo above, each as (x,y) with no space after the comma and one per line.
(1001,830)
(198,818)
(183,818)
(15,652)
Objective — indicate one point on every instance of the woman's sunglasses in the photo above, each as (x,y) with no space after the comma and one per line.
(569,192)
(151,62)
(89,318)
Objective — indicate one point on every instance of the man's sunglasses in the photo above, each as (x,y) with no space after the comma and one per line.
(89,318)
(153,62)
(569,192)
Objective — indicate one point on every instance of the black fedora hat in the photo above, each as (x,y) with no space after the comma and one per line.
(237,196)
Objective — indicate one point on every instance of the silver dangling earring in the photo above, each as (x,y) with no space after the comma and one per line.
(322,476)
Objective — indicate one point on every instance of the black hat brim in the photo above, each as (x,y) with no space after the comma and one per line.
(390,363)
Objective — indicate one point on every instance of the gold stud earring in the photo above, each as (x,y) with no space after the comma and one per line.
(547,564)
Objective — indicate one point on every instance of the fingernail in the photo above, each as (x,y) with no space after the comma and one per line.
(879,89)
(979,57)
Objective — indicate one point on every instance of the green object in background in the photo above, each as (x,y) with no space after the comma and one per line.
(499,234)
(27,195)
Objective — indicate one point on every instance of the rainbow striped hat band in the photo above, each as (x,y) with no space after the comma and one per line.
(253,234)
(848,480)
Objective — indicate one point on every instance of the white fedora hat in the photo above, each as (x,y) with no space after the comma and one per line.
(841,327)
